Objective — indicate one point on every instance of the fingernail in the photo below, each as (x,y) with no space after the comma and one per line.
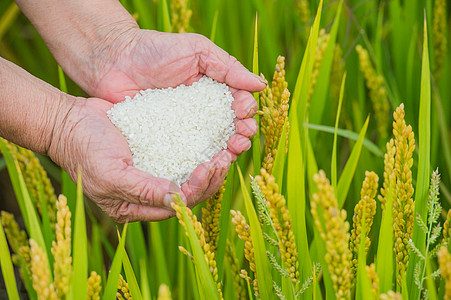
(168,200)
(260,79)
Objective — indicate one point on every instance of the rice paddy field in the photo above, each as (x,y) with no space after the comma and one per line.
(345,193)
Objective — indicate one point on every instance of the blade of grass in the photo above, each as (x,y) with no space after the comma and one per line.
(159,253)
(208,289)
(261,260)
(8,18)
(224,221)
(164,22)
(256,149)
(79,286)
(46,228)
(384,260)
(213,27)
(348,172)
(445,139)
(334,148)
(424,165)
(143,9)
(7,267)
(131,278)
(136,244)
(2,163)
(144,279)
(351,135)
(115,270)
(364,290)
(281,156)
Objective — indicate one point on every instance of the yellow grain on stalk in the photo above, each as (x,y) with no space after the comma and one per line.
(34,174)
(403,204)
(62,267)
(439,34)
(274,102)
(377,91)
(374,279)
(335,234)
(16,237)
(209,254)
(366,204)
(94,286)
(444,260)
(390,295)
(389,173)
(244,233)
(181,15)
(164,293)
(210,218)
(123,292)
(238,284)
(446,229)
(323,40)
(41,274)
(281,220)
(303,10)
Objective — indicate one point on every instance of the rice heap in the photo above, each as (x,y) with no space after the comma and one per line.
(172,131)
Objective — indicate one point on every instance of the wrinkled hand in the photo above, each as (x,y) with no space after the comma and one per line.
(86,137)
(139,59)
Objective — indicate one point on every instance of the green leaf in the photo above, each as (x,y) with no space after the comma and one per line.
(144,279)
(159,253)
(384,259)
(164,22)
(334,148)
(348,172)
(8,18)
(79,286)
(7,267)
(207,286)
(213,27)
(256,149)
(115,270)
(424,165)
(364,290)
(62,80)
(131,278)
(261,260)
(224,221)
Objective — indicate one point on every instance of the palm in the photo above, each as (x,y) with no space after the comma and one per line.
(151,60)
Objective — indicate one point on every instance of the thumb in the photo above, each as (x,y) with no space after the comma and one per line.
(221,66)
(142,188)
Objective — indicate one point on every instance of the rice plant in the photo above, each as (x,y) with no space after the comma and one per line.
(337,199)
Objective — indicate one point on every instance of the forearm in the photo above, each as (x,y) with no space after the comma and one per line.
(78,33)
(30,109)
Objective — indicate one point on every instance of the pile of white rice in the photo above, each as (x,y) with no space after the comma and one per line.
(172,131)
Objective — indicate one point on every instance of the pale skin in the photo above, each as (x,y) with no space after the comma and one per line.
(99,45)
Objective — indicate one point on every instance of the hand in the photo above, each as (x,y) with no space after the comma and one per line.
(134,59)
(86,137)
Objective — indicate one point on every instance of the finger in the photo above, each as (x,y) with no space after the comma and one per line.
(219,65)
(246,127)
(130,212)
(223,162)
(238,144)
(195,186)
(244,104)
(141,188)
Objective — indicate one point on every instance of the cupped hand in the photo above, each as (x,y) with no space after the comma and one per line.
(139,59)
(87,138)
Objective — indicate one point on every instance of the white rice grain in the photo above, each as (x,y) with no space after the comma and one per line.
(172,131)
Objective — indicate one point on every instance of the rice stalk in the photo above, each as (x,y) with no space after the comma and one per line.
(281,220)
(94,286)
(335,234)
(238,284)
(391,295)
(180,15)
(377,91)
(323,40)
(389,173)
(303,10)
(164,293)
(61,249)
(439,28)
(403,206)
(42,282)
(374,279)
(17,238)
(444,260)
(210,218)
(123,292)
(34,174)
(244,233)
(199,230)
(366,206)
